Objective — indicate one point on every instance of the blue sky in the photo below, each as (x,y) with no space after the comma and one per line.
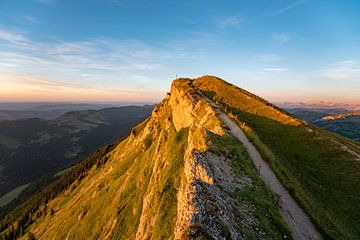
(121,50)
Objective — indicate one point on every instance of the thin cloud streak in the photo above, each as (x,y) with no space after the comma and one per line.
(344,70)
(282,38)
(12,37)
(30,18)
(47,2)
(96,54)
(95,63)
(260,18)
(275,69)
(269,57)
(231,21)
(289,7)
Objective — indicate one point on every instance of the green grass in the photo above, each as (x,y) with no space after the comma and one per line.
(256,193)
(164,199)
(323,178)
(169,184)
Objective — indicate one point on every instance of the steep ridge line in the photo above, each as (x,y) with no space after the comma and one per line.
(299,223)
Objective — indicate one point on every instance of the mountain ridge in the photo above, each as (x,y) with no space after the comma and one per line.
(181,175)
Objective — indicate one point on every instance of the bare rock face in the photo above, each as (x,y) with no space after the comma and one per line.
(203,204)
(197,195)
(188,109)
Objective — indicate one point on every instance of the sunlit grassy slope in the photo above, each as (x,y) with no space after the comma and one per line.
(108,202)
(320,169)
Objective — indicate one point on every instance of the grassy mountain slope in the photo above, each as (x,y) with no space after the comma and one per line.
(32,148)
(178,175)
(320,169)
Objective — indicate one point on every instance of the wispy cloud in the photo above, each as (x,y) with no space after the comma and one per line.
(30,18)
(47,2)
(282,38)
(111,2)
(98,63)
(289,7)
(277,12)
(96,54)
(231,21)
(275,69)
(34,81)
(12,36)
(269,57)
(343,70)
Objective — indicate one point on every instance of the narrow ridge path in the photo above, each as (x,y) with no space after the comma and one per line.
(299,224)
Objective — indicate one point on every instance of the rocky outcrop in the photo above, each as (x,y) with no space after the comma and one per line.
(204,206)
(190,110)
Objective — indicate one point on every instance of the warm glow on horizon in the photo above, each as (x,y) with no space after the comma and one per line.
(17,88)
(29,89)
(25,89)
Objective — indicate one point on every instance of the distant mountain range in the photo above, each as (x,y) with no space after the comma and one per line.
(337,120)
(49,111)
(349,106)
(34,147)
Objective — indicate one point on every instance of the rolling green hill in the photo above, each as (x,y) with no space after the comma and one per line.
(33,148)
(348,126)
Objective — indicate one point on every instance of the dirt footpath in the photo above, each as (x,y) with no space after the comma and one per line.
(299,224)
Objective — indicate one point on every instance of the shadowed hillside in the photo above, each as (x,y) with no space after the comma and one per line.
(33,148)
(346,124)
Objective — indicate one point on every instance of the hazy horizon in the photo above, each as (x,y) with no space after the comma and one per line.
(116,51)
